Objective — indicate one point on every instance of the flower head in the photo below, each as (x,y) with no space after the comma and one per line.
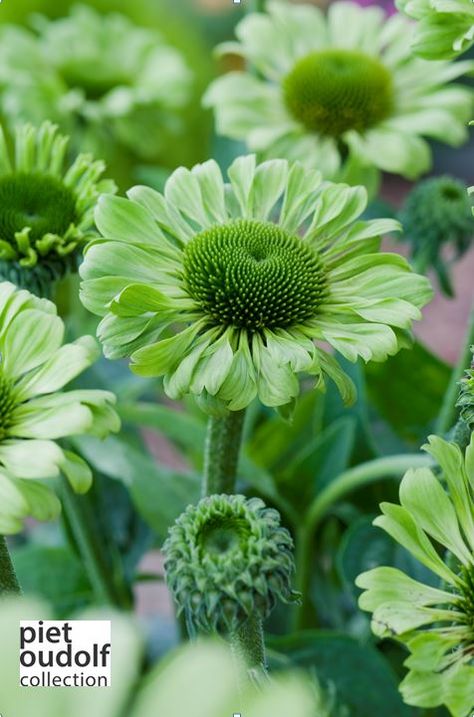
(98,72)
(444,30)
(35,413)
(46,212)
(437,216)
(345,87)
(228,559)
(435,623)
(465,402)
(223,289)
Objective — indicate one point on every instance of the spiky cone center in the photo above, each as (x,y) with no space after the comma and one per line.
(7,404)
(333,91)
(228,559)
(253,275)
(467,601)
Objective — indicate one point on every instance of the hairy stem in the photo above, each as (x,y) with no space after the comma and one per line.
(248,647)
(8,580)
(345,483)
(224,436)
(447,415)
(81,523)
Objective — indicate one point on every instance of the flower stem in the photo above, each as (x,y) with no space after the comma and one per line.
(8,580)
(447,415)
(248,646)
(346,482)
(224,436)
(81,524)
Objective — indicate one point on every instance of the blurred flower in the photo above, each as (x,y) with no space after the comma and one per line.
(99,77)
(34,412)
(445,28)
(437,215)
(212,287)
(227,560)
(436,624)
(336,88)
(200,679)
(465,401)
(46,213)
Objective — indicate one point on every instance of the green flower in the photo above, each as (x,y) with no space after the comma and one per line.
(213,287)
(34,413)
(99,73)
(465,402)
(342,87)
(228,560)
(46,212)
(445,28)
(437,215)
(435,623)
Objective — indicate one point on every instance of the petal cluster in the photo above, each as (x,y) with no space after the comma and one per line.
(34,411)
(353,71)
(435,621)
(298,265)
(444,29)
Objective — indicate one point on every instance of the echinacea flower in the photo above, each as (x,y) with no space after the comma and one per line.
(436,623)
(46,210)
(331,91)
(223,288)
(445,28)
(438,223)
(100,77)
(35,412)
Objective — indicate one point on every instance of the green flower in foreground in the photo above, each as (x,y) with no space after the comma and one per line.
(34,413)
(438,223)
(336,87)
(46,212)
(99,76)
(228,560)
(435,623)
(445,28)
(212,286)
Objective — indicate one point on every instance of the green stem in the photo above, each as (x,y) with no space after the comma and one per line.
(248,646)
(447,415)
(224,436)
(345,483)
(8,580)
(81,523)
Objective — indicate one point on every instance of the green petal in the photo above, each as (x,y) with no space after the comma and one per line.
(213,367)
(385,584)
(77,472)
(122,220)
(398,618)
(276,384)
(31,458)
(344,383)
(430,651)
(32,338)
(163,357)
(338,206)
(241,174)
(43,504)
(268,186)
(300,195)
(36,420)
(240,387)
(422,495)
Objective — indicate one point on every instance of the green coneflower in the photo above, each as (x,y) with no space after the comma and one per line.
(435,623)
(35,413)
(465,401)
(223,289)
(444,30)
(338,90)
(437,216)
(100,77)
(228,560)
(46,211)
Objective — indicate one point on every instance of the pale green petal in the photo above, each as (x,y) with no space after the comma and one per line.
(164,356)
(422,495)
(240,386)
(121,220)
(32,338)
(43,504)
(392,151)
(343,382)
(178,380)
(300,194)
(76,471)
(385,584)
(184,191)
(213,367)
(401,526)
(35,420)
(372,342)
(398,618)
(31,459)
(338,205)
(241,174)
(430,651)
(354,27)
(268,186)
(276,384)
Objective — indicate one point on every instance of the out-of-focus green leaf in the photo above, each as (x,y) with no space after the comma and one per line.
(185,430)
(408,390)
(364,682)
(159,494)
(53,573)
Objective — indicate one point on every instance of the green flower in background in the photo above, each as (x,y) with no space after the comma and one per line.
(46,211)
(465,401)
(445,28)
(213,287)
(99,77)
(435,623)
(34,413)
(342,87)
(438,223)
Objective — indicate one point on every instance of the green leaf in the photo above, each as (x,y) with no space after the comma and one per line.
(363,680)
(54,574)
(408,390)
(159,494)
